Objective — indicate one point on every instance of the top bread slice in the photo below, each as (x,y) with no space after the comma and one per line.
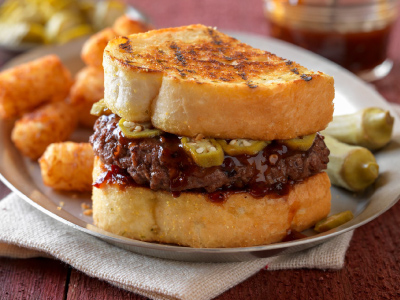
(195,80)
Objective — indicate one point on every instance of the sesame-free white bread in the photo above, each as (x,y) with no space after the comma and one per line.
(195,80)
(192,220)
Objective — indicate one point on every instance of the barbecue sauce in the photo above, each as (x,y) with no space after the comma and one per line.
(293,235)
(181,166)
(257,175)
(355,51)
(115,175)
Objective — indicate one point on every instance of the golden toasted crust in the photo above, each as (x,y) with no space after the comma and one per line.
(25,87)
(68,166)
(87,89)
(192,220)
(50,123)
(124,26)
(92,50)
(195,80)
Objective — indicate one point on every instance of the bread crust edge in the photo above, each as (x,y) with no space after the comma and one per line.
(192,220)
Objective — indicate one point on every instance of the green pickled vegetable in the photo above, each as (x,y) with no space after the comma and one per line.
(351,167)
(301,143)
(333,221)
(205,152)
(242,146)
(370,128)
(100,108)
(134,130)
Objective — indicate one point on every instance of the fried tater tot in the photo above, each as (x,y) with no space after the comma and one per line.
(87,89)
(68,166)
(92,51)
(25,87)
(125,26)
(53,122)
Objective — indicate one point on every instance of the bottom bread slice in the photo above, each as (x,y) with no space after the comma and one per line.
(193,220)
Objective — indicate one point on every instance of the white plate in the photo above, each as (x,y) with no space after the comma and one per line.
(23,176)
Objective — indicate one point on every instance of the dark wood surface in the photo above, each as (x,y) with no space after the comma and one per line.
(372,269)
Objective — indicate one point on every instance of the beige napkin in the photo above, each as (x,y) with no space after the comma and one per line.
(27,232)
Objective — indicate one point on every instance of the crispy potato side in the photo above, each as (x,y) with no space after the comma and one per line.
(68,166)
(25,87)
(53,122)
(87,89)
(92,50)
(124,26)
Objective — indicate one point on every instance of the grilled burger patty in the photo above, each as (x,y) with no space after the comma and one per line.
(162,164)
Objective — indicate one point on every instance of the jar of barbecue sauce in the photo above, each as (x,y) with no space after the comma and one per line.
(352,33)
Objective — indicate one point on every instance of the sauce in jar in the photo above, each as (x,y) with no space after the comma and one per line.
(352,33)
(355,51)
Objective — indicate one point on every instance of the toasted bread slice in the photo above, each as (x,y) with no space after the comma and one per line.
(195,80)
(156,216)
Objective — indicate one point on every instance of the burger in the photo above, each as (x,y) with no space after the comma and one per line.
(204,141)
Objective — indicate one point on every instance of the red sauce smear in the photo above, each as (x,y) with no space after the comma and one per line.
(115,175)
(293,235)
(180,166)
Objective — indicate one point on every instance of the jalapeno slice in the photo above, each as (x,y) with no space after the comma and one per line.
(100,108)
(134,130)
(205,152)
(333,221)
(301,143)
(242,146)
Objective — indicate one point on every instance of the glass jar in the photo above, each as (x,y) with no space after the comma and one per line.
(351,33)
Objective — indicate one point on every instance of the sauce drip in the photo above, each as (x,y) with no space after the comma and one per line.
(293,235)
(115,175)
(257,175)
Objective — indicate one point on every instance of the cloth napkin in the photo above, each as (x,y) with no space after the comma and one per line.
(27,232)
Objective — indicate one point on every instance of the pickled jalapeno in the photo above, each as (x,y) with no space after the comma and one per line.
(301,143)
(205,152)
(370,128)
(137,130)
(100,108)
(242,146)
(333,221)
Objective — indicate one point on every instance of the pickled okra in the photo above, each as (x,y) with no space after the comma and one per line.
(351,167)
(205,152)
(137,130)
(333,221)
(370,128)
(100,108)
(301,143)
(242,146)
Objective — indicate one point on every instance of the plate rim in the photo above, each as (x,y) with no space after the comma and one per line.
(165,247)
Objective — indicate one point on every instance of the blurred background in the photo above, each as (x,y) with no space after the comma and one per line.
(357,34)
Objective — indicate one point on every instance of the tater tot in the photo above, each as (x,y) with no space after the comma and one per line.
(53,122)
(125,26)
(92,51)
(87,89)
(68,166)
(25,87)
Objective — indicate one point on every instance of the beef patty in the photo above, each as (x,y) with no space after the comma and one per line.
(162,164)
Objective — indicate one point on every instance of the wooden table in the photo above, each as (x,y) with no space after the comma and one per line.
(372,269)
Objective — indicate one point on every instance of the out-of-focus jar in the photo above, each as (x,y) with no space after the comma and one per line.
(352,33)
